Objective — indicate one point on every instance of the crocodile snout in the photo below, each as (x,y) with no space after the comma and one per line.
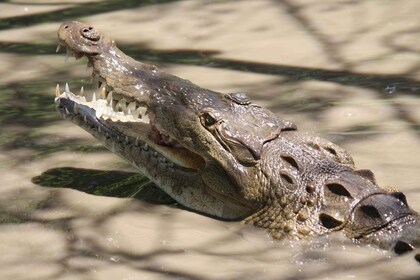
(399,236)
(81,39)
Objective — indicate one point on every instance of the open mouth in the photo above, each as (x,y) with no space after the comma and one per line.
(120,125)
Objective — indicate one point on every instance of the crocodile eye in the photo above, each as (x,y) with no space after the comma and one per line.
(208,120)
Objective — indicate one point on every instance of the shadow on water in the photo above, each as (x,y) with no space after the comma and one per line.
(380,82)
(104,183)
(25,109)
(111,183)
(73,12)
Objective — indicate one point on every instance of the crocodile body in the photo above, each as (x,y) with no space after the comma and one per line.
(223,156)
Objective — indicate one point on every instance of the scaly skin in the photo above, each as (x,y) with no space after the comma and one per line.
(221,155)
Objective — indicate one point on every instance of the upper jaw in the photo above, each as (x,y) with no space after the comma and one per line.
(111,111)
(105,106)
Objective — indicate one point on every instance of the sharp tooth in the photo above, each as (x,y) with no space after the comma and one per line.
(136,113)
(127,140)
(67,89)
(99,111)
(93,97)
(113,106)
(122,104)
(109,98)
(57,90)
(82,92)
(67,111)
(58,48)
(129,112)
(75,109)
(137,142)
(99,129)
(103,93)
(131,106)
(139,112)
(145,119)
(85,118)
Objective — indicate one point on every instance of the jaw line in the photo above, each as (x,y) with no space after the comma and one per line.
(108,130)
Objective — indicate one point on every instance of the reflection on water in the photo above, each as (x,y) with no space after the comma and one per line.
(69,209)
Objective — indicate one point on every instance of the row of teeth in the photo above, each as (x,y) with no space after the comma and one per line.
(105,106)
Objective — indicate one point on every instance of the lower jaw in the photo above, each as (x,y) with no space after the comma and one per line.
(143,154)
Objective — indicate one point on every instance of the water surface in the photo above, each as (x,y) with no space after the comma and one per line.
(69,209)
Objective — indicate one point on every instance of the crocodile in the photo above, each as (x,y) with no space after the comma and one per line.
(225,157)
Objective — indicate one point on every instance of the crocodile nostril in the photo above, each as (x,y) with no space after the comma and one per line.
(402,247)
(90,33)
(65,27)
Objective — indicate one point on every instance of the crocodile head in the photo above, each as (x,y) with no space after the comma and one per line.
(200,146)
(223,156)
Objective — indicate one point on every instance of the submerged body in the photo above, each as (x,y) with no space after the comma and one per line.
(223,156)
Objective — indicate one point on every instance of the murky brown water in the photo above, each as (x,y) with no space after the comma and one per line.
(348,70)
